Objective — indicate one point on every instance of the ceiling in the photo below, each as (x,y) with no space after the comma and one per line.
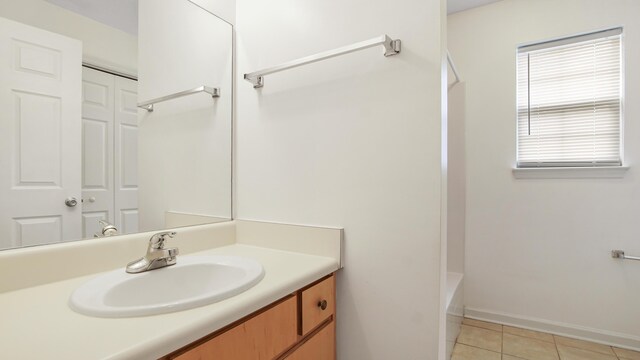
(123,14)
(120,14)
(460,5)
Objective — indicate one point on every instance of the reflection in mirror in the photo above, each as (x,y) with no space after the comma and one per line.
(80,159)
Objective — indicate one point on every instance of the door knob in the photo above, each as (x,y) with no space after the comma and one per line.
(71,201)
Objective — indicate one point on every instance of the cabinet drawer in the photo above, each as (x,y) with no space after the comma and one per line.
(263,337)
(317,304)
(321,346)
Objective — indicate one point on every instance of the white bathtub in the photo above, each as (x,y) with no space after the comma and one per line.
(455,309)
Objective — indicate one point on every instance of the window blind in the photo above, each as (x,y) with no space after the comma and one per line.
(569,101)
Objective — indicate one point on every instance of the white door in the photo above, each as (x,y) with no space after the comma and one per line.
(40,132)
(97,150)
(126,155)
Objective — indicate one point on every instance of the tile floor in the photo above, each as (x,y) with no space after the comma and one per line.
(479,340)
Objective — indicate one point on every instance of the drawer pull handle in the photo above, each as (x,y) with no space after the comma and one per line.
(322,304)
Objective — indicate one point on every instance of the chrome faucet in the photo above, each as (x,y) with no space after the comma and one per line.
(157,256)
(107,230)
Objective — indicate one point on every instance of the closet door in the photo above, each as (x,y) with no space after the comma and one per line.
(126,155)
(97,150)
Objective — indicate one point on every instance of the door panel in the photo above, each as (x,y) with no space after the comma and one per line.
(97,149)
(40,132)
(36,59)
(90,222)
(32,230)
(128,221)
(38,152)
(96,165)
(128,161)
(126,155)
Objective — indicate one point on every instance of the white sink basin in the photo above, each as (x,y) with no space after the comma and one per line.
(194,281)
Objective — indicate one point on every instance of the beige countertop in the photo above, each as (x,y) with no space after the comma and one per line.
(36,322)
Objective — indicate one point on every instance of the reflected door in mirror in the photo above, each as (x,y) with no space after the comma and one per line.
(40,136)
(110,152)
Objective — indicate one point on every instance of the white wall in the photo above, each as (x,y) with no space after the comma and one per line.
(224,9)
(352,142)
(540,248)
(101,45)
(185,143)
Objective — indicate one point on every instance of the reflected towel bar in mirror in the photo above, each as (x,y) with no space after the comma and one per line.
(454,70)
(619,254)
(148,105)
(391,47)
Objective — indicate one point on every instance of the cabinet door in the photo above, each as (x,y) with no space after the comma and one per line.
(262,337)
(317,304)
(321,346)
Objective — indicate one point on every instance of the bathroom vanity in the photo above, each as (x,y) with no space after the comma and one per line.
(289,314)
(298,326)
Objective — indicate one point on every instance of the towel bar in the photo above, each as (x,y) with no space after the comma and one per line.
(619,254)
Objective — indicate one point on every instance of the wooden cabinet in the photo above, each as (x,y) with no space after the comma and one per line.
(298,326)
(317,304)
(319,346)
(263,336)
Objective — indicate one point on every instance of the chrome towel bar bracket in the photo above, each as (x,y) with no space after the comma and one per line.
(391,47)
(148,105)
(454,70)
(619,254)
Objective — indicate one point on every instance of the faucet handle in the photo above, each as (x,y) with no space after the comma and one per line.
(157,240)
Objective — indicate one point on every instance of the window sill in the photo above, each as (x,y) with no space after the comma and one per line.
(602,172)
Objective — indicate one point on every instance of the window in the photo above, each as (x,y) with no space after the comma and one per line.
(569,102)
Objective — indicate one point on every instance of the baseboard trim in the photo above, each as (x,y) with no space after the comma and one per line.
(624,341)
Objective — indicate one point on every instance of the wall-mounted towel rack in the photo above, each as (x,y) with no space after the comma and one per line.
(148,105)
(619,254)
(391,47)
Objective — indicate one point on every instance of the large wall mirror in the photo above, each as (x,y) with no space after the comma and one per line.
(80,159)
